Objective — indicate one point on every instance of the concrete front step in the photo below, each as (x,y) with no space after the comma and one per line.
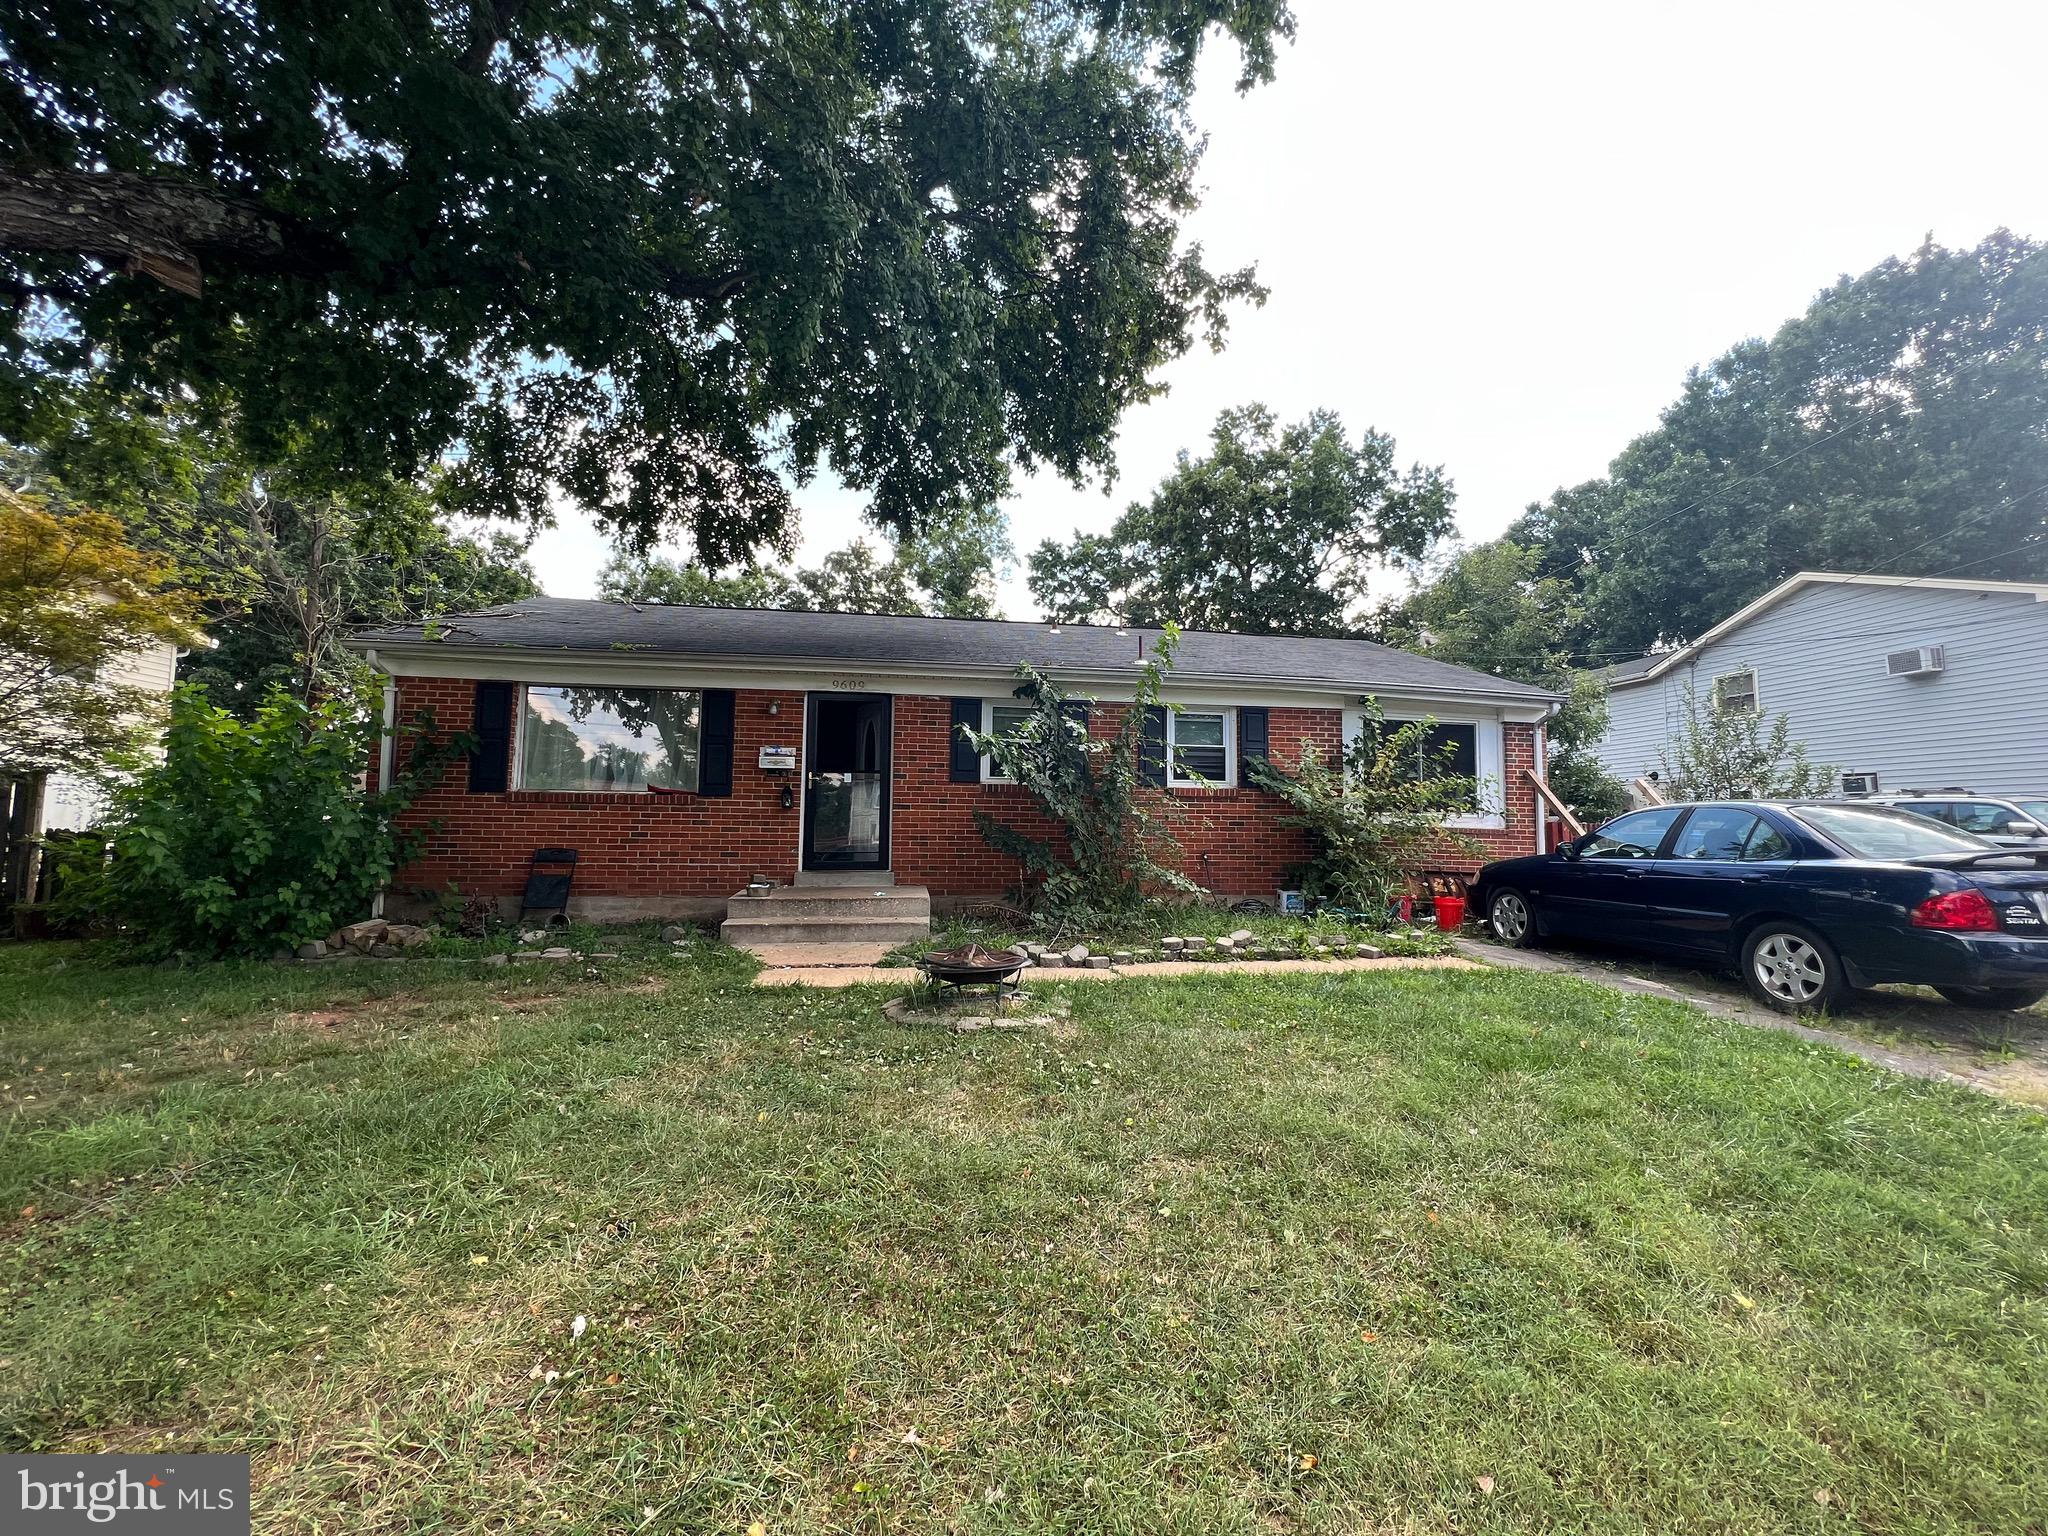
(840,903)
(839,912)
(752,932)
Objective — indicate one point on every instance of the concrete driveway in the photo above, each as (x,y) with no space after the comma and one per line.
(1907,1029)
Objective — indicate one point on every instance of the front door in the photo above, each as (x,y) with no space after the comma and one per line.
(846,781)
(1597,894)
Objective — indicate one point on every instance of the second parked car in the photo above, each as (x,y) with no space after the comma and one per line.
(2012,821)
(1810,899)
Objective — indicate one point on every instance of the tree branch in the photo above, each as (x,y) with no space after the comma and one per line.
(168,230)
(489,20)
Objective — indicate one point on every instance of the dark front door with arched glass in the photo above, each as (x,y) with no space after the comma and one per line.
(846,781)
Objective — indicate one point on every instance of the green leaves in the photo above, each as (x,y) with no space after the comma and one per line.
(1277,531)
(251,836)
(1896,426)
(657,255)
(1720,754)
(1111,846)
(1371,815)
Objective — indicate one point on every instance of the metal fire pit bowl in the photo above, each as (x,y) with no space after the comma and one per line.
(974,965)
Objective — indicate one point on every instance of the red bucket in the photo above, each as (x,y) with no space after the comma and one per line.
(1450,913)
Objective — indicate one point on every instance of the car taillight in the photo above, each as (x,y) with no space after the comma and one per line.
(1965,911)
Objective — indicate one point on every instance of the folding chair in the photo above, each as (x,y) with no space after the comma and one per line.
(547,883)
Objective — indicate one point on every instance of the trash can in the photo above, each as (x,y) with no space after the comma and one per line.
(1450,913)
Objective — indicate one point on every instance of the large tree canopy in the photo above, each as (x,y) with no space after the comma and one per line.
(1899,425)
(1275,532)
(651,251)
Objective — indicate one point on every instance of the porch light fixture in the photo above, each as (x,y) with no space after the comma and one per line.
(775,706)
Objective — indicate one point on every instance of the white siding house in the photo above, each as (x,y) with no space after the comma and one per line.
(1828,652)
(72,802)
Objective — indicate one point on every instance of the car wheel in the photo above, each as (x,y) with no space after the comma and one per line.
(2007,999)
(1509,919)
(1789,967)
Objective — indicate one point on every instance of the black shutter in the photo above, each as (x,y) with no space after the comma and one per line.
(1251,741)
(1075,710)
(963,763)
(1152,746)
(714,743)
(491,723)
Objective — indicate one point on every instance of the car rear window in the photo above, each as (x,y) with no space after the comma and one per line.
(1871,832)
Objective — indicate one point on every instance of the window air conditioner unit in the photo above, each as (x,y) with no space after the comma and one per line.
(1855,784)
(1922,661)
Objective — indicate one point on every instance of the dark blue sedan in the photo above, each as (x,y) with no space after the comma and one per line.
(1808,898)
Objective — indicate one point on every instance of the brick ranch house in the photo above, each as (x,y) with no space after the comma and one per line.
(682,751)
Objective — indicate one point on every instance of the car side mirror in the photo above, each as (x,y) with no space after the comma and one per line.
(1571,850)
(2022,829)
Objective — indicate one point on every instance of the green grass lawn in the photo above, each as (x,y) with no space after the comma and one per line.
(1376,1252)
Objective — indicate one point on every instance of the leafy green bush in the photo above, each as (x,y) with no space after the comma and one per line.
(1113,850)
(1373,816)
(1724,754)
(252,835)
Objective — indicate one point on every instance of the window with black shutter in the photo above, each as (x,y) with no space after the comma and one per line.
(963,763)
(490,722)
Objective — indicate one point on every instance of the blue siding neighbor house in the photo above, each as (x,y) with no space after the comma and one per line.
(1899,682)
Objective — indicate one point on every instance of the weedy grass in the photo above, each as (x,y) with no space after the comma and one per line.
(1417,1251)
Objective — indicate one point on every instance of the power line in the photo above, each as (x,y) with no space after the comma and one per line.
(2009,502)
(1755,474)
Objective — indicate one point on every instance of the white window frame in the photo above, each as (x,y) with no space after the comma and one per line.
(1756,693)
(990,774)
(1229,718)
(515,778)
(1489,760)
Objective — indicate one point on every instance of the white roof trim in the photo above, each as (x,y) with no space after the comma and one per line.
(1791,584)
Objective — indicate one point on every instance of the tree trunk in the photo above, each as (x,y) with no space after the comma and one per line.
(168,230)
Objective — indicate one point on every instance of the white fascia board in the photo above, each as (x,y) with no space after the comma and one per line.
(629,669)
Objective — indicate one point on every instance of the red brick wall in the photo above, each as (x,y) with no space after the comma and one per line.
(666,853)
(682,854)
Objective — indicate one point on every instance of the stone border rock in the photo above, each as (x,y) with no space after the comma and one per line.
(1241,945)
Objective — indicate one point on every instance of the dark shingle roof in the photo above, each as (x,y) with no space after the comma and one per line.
(1635,667)
(562,624)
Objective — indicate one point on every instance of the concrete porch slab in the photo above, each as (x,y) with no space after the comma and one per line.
(779,957)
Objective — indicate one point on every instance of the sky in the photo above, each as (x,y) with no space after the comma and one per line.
(1502,233)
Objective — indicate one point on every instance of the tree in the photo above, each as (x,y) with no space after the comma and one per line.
(1724,754)
(1112,849)
(1277,531)
(650,252)
(76,599)
(1899,425)
(949,570)
(1489,607)
(1370,816)
(302,571)
(253,836)
(281,572)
